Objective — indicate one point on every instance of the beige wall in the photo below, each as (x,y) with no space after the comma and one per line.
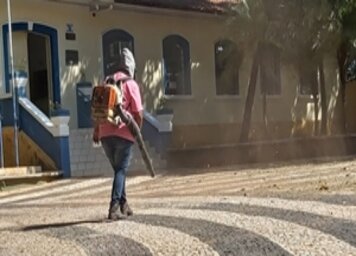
(203,108)
(148,31)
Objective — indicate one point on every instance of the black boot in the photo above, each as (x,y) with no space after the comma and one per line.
(125,209)
(115,212)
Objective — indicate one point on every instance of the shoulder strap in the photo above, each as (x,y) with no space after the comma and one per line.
(109,80)
(119,82)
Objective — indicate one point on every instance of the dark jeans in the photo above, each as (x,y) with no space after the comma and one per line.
(118,151)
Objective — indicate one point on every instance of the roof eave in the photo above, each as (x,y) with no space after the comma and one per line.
(147,9)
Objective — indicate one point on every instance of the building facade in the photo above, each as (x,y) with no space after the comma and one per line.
(191,59)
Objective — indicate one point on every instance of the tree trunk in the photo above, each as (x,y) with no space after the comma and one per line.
(315,93)
(322,98)
(316,112)
(264,112)
(246,122)
(341,58)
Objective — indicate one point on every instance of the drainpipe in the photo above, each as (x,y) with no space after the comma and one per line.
(14,86)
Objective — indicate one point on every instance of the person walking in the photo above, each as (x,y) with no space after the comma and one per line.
(117,140)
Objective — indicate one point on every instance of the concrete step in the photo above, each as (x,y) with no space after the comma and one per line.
(88,159)
(10,176)
(32,175)
(19,171)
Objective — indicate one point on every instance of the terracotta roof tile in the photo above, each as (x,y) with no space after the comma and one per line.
(207,6)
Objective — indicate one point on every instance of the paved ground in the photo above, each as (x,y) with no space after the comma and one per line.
(304,209)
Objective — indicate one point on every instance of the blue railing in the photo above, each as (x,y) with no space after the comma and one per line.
(157,133)
(52,138)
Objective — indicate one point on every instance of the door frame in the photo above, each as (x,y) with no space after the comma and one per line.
(53,39)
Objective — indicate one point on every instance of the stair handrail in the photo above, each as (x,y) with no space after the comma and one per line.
(44,120)
(161,126)
(54,139)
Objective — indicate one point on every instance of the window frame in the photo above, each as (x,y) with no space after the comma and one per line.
(270,50)
(114,33)
(185,46)
(301,73)
(226,95)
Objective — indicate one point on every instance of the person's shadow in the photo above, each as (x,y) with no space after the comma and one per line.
(63,224)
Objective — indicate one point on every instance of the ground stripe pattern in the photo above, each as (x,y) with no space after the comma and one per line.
(99,243)
(243,178)
(305,241)
(234,184)
(313,207)
(176,243)
(23,243)
(226,240)
(188,216)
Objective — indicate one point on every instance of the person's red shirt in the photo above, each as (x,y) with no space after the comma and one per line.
(131,102)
